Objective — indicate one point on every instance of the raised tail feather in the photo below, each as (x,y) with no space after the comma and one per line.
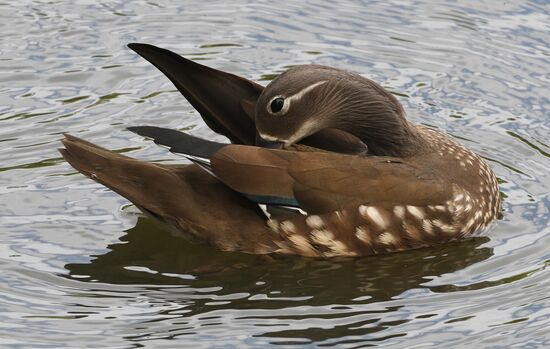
(180,195)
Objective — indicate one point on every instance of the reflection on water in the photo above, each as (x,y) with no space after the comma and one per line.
(79,271)
(150,256)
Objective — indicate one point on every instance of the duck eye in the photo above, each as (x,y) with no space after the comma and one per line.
(277,104)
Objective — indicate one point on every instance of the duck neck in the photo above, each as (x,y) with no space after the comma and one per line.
(400,140)
(386,134)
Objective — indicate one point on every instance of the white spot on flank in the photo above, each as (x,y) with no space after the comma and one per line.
(288,227)
(445,228)
(387,238)
(339,248)
(362,234)
(415,211)
(323,237)
(315,222)
(399,212)
(374,214)
(302,244)
(427,226)
(326,238)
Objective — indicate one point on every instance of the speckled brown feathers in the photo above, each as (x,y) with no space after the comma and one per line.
(367,205)
(381,227)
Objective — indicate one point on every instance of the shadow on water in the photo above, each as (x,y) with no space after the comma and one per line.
(150,255)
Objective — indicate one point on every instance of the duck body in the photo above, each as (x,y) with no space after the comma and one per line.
(329,155)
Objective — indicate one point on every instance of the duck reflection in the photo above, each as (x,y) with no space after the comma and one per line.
(153,256)
(269,289)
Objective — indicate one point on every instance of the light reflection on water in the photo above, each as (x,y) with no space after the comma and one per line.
(81,268)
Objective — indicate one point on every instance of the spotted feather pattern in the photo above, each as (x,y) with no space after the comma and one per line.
(372,228)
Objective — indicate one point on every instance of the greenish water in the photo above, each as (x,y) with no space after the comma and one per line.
(80,267)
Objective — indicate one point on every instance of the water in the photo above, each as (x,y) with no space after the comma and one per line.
(80,267)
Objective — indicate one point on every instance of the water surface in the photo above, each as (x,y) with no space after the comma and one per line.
(80,267)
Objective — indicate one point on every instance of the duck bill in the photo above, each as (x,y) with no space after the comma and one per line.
(264,143)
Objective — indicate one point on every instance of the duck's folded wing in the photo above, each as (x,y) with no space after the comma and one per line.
(318,181)
(225,101)
(324,182)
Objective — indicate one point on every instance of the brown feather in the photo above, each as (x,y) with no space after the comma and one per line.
(337,141)
(252,170)
(183,196)
(215,94)
(324,182)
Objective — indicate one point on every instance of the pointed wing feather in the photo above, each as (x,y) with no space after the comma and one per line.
(227,102)
(215,94)
(253,172)
(178,142)
(182,196)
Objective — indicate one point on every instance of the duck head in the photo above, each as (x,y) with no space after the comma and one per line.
(308,99)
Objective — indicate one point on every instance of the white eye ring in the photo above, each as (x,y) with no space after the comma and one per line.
(295,97)
(283,110)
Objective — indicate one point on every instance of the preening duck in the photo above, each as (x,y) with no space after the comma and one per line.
(322,162)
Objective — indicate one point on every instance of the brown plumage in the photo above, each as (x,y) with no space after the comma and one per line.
(368,180)
(182,196)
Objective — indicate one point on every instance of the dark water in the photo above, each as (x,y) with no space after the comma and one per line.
(81,268)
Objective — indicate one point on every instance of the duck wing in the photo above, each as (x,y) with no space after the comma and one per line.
(225,101)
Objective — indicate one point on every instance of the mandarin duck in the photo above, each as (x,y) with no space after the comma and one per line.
(322,163)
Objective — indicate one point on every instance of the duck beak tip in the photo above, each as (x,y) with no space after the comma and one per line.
(260,142)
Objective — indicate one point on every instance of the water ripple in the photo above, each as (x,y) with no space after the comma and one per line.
(82,268)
